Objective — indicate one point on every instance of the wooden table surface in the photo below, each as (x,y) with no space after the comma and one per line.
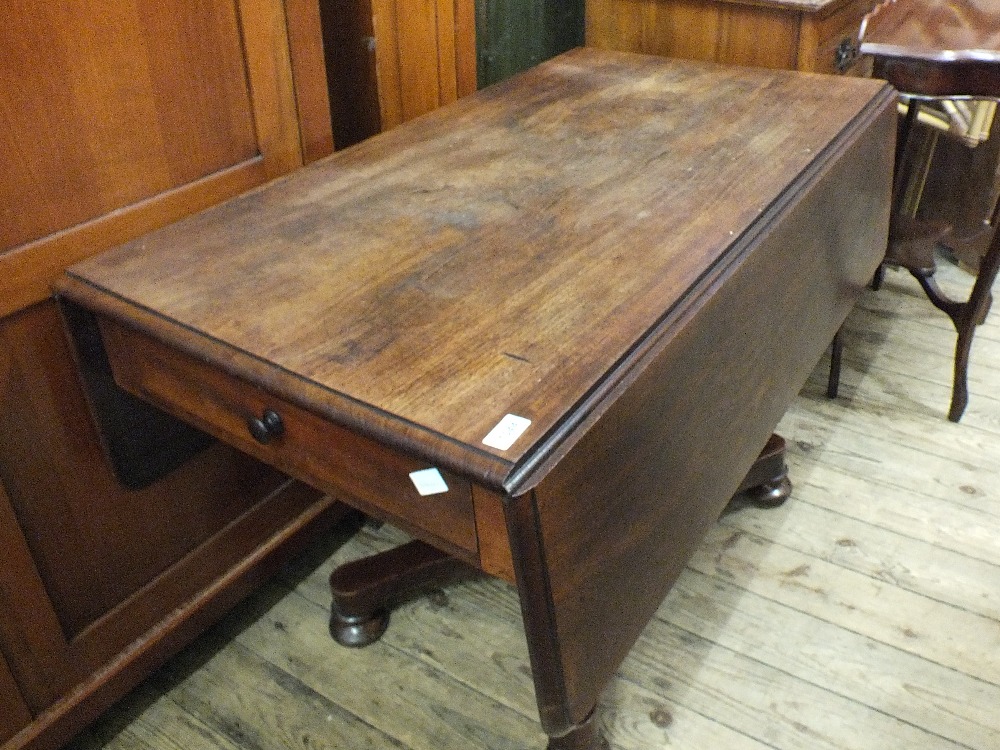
(504,256)
(643,257)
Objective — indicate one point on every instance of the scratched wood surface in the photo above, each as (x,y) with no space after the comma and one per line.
(482,262)
(862,615)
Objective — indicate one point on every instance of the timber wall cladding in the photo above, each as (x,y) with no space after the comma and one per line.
(388,61)
(424,53)
(117,117)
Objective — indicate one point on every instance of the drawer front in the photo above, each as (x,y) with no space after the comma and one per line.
(352,468)
(836,39)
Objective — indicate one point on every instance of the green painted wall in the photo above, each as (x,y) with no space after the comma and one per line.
(513,35)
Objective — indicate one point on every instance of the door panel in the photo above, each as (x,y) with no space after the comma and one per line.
(32,640)
(163,101)
(117,117)
(94,542)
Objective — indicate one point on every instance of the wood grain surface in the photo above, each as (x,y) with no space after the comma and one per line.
(502,256)
(819,37)
(932,48)
(657,469)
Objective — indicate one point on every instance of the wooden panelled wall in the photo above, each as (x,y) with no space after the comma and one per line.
(389,61)
(116,117)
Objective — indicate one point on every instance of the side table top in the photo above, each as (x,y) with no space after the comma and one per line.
(935,30)
(798,6)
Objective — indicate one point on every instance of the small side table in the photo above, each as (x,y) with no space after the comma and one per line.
(931,49)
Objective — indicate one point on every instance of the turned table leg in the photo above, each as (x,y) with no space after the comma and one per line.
(365,590)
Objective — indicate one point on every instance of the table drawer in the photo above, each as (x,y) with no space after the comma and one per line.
(351,467)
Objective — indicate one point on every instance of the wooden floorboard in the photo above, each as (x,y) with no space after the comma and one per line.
(864,614)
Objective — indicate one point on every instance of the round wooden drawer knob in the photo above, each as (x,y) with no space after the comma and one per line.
(266,427)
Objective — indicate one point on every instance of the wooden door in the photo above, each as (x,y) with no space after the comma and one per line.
(116,117)
(119,116)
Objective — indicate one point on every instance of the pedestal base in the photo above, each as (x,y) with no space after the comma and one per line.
(766,484)
(365,590)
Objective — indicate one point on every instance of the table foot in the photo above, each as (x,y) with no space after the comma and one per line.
(585,736)
(766,484)
(364,591)
(355,631)
(769,494)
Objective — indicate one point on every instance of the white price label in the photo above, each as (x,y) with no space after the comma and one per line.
(428,482)
(507,431)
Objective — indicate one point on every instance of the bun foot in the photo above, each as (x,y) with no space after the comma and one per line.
(769,494)
(766,484)
(365,591)
(356,631)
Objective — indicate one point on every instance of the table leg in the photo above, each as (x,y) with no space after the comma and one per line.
(585,736)
(836,357)
(365,590)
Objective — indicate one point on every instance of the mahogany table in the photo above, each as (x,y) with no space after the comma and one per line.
(548,330)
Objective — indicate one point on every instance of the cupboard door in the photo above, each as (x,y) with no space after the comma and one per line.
(122,115)
(95,543)
(119,116)
(14,713)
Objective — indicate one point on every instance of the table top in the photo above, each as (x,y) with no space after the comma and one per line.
(935,30)
(513,254)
